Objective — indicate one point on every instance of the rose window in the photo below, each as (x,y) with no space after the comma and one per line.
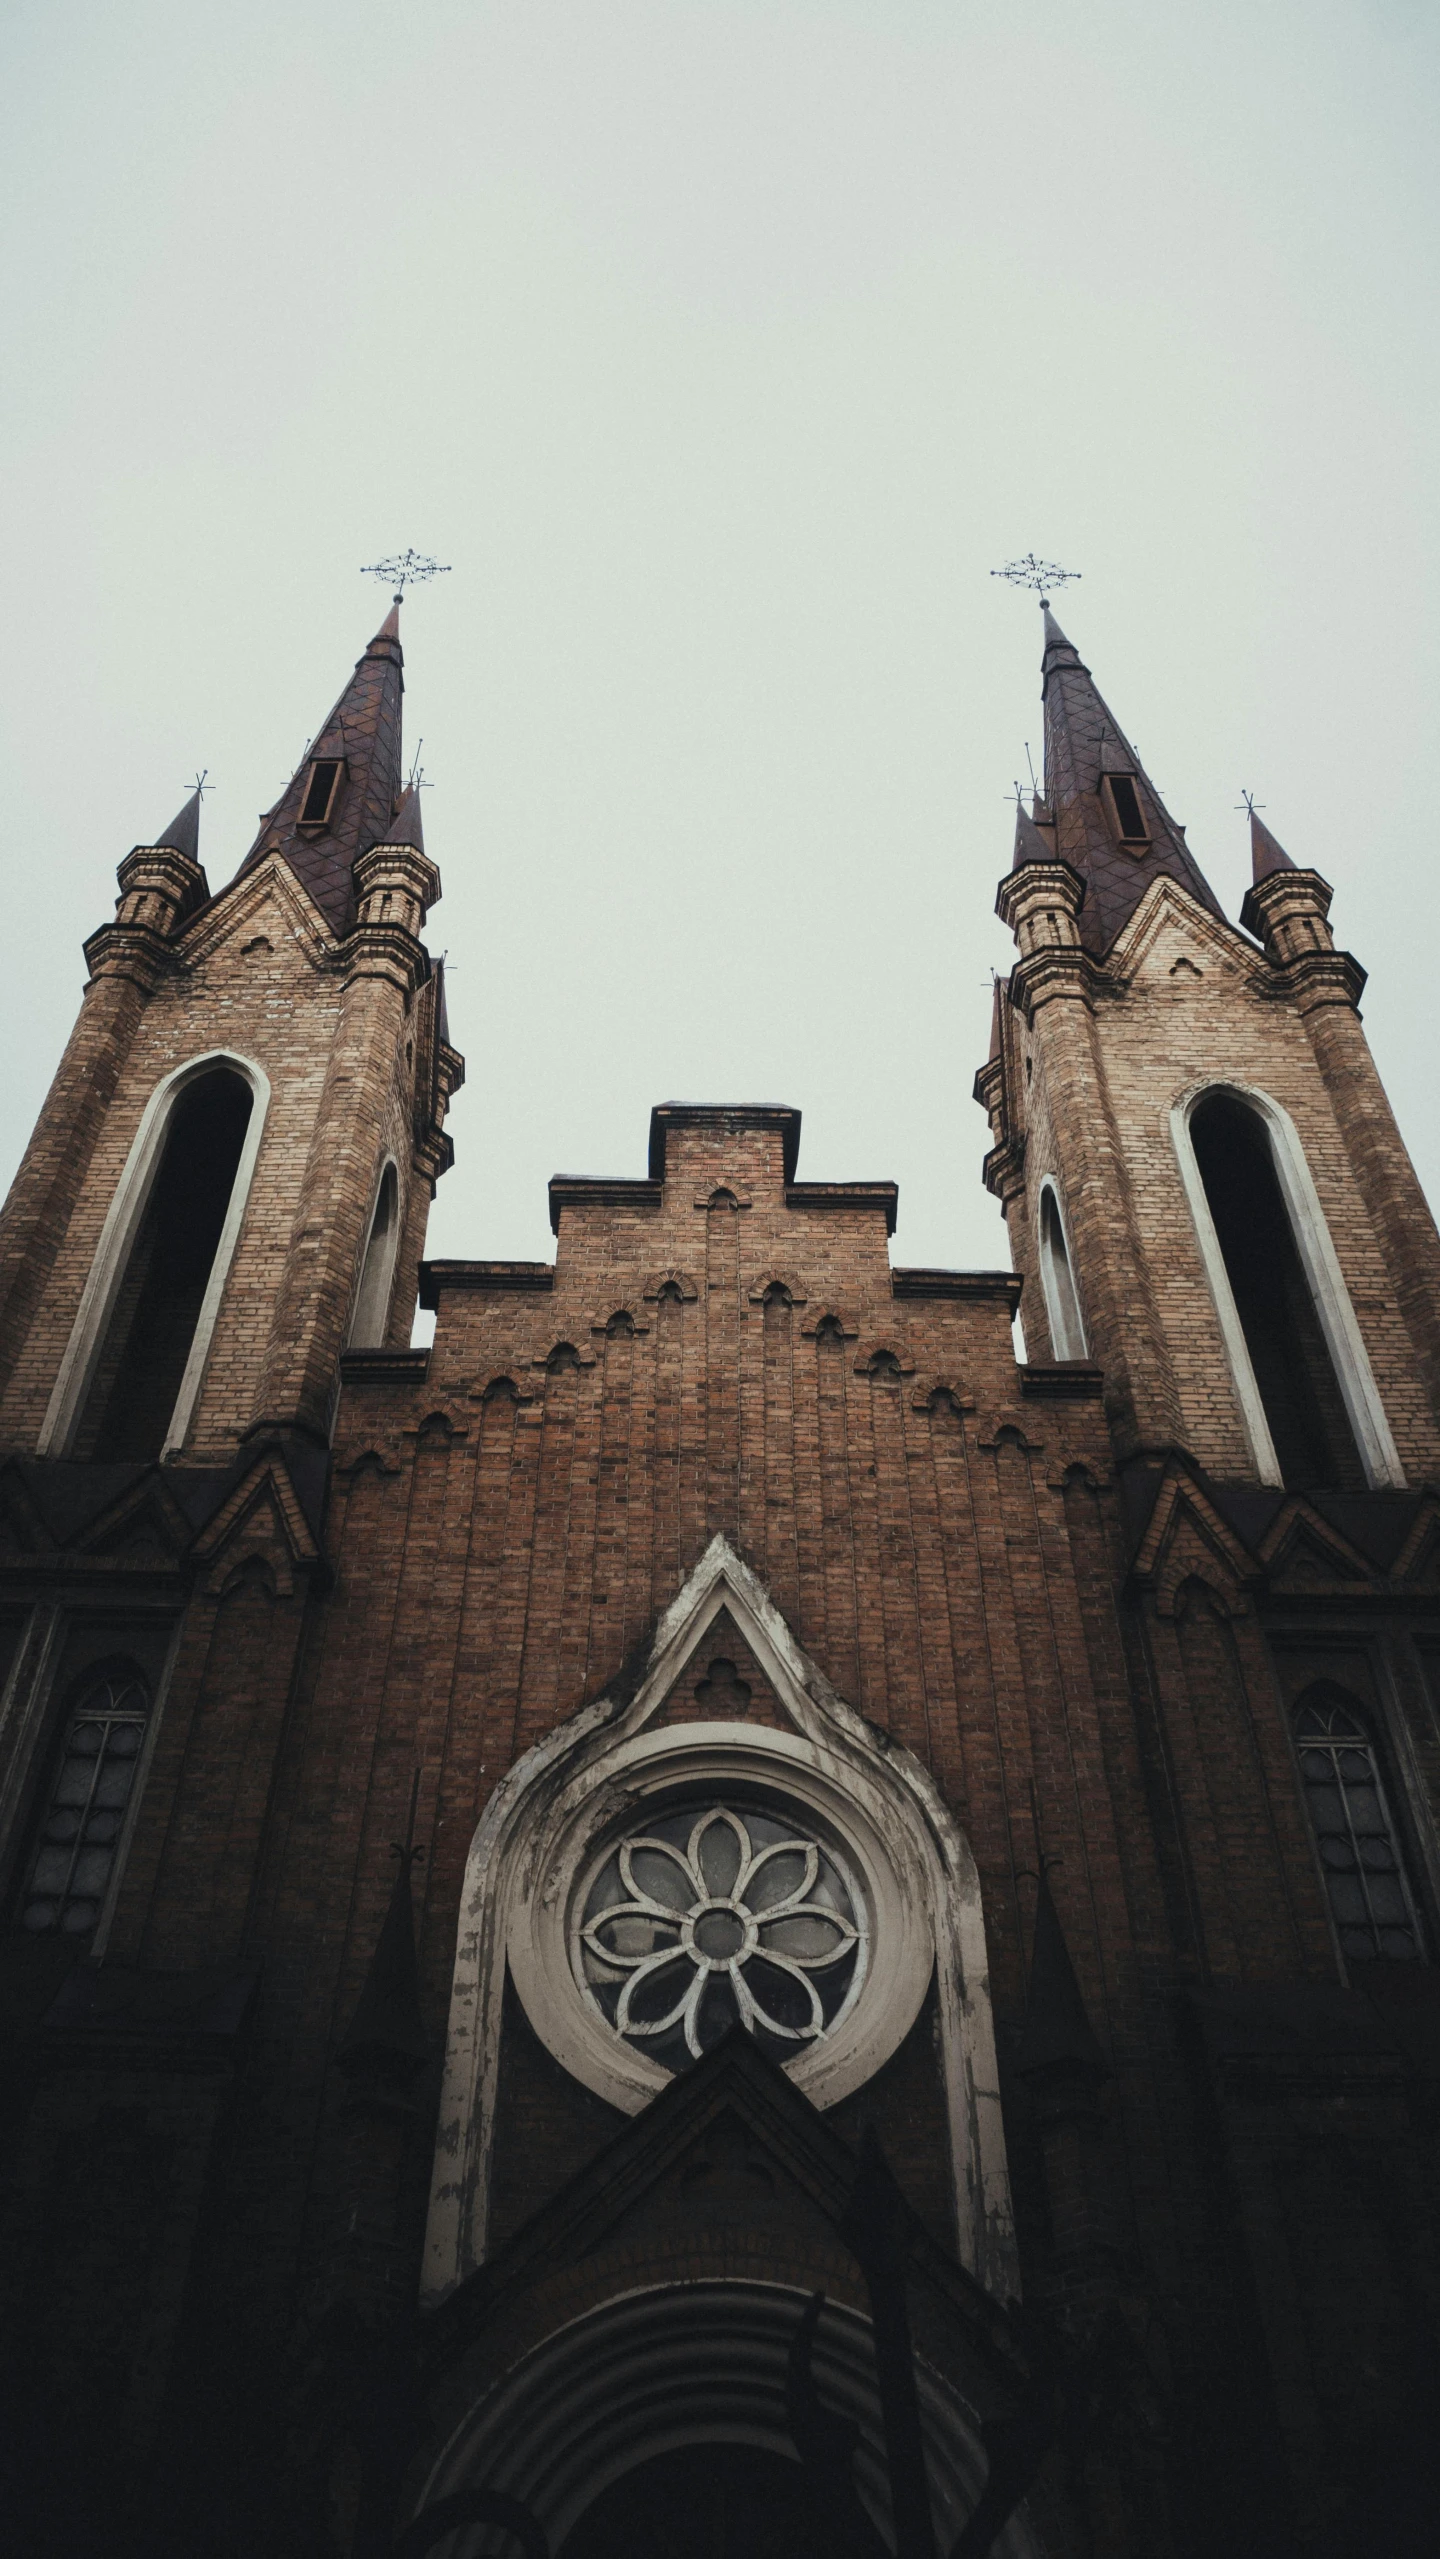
(728,1916)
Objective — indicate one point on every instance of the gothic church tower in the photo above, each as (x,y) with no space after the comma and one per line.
(1254,1267)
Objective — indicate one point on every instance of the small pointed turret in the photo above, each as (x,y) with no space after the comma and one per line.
(405,827)
(183,832)
(340,801)
(1120,838)
(1267,854)
(1030,844)
(386,2041)
(1058,2035)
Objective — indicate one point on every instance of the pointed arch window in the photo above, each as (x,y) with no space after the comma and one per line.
(72,1855)
(372,1298)
(1298,1361)
(1057,1280)
(1372,1901)
(131,1375)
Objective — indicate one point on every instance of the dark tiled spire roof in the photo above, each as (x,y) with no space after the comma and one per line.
(364,729)
(1266,854)
(183,832)
(405,826)
(1030,844)
(1084,740)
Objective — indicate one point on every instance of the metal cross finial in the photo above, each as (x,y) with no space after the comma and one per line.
(408,568)
(1042,575)
(201,784)
(1248,802)
(416,779)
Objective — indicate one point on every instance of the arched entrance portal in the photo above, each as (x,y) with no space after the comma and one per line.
(632,2401)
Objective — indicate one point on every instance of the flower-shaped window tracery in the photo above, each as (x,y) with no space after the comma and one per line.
(712,1917)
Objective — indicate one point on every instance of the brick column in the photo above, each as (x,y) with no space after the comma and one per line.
(1052,984)
(386,964)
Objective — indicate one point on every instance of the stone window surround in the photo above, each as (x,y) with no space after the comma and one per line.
(117,1238)
(1318,1260)
(535,1846)
(1059,1328)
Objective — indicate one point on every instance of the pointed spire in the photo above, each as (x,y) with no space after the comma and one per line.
(1083,741)
(405,827)
(1057,2033)
(1030,844)
(362,735)
(386,2038)
(1266,853)
(183,832)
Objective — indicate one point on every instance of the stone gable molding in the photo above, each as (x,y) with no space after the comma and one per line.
(1166,903)
(546,1820)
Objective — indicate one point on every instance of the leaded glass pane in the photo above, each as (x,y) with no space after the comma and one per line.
(1370,1896)
(78,1834)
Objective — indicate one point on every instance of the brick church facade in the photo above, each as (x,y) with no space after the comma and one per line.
(526,1862)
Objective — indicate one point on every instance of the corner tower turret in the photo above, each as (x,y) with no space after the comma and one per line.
(1202,1178)
(230,1179)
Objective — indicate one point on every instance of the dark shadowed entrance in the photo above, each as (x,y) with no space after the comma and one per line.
(702,2501)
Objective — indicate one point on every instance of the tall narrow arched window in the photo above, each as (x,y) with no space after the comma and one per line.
(128,1383)
(372,1300)
(1290,1307)
(1361,1854)
(1062,1305)
(72,1854)
(157,1306)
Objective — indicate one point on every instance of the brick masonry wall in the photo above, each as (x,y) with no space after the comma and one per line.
(254,973)
(1194,1002)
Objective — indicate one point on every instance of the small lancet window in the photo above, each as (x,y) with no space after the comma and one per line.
(1062,1305)
(1129,816)
(372,1303)
(1371,1901)
(73,1854)
(1294,1373)
(161,1297)
(320,792)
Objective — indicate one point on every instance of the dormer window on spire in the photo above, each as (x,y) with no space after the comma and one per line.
(320,791)
(1125,808)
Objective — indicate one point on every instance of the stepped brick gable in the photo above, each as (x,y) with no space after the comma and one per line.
(711,1905)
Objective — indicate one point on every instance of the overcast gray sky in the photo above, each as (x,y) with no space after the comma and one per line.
(724,347)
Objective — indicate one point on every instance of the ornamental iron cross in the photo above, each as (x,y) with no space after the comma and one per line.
(1042,575)
(408,568)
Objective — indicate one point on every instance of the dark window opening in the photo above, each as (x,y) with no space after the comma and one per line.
(316,805)
(152,1325)
(1128,813)
(79,1831)
(1309,1425)
(1371,1901)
